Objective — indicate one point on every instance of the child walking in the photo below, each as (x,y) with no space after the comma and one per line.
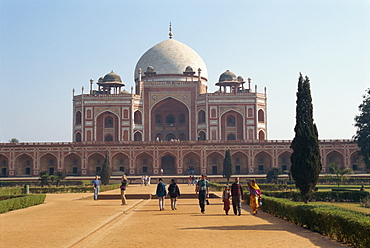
(226,194)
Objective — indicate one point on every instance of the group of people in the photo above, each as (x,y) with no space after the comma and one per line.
(173,192)
(191,180)
(235,193)
(145,180)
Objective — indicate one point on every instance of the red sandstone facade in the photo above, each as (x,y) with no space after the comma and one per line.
(170,122)
(147,157)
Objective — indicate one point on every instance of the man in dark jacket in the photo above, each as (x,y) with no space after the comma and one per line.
(202,189)
(161,193)
(174,192)
(237,195)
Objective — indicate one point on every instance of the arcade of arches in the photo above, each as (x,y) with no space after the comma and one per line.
(146,163)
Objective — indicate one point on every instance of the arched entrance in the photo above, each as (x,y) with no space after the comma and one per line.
(168,165)
(170,117)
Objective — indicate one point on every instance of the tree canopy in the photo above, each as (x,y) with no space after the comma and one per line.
(305,159)
(228,166)
(105,172)
(13,140)
(362,124)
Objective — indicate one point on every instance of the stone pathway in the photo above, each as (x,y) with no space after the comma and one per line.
(75,220)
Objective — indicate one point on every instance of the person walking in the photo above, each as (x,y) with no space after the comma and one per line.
(174,192)
(237,195)
(226,194)
(123,190)
(96,185)
(202,189)
(254,195)
(161,193)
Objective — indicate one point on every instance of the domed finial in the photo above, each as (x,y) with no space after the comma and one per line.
(170,34)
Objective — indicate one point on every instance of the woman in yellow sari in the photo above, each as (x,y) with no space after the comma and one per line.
(255,193)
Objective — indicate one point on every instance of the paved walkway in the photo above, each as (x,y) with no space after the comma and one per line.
(75,220)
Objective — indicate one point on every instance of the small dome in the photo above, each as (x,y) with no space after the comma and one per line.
(150,69)
(227,76)
(240,79)
(189,69)
(111,77)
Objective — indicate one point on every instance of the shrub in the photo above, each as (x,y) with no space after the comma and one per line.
(340,224)
(365,202)
(11,191)
(328,196)
(20,201)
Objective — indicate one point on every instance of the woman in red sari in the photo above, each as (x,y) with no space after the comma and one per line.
(226,194)
(255,193)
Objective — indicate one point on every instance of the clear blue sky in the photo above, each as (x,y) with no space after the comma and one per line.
(48,47)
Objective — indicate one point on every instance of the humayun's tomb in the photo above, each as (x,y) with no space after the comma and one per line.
(170,121)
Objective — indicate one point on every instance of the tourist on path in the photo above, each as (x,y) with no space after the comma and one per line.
(161,193)
(202,189)
(123,189)
(255,194)
(142,180)
(237,195)
(174,192)
(96,185)
(226,194)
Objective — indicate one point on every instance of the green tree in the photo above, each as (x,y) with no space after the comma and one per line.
(105,172)
(362,136)
(228,166)
(340,174)
(44,178)
(305,159)
(13,140)
(58,177)
(273,175)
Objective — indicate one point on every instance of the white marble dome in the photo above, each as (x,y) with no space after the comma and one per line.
(170,57)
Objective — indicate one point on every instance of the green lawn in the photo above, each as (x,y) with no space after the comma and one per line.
(322,187)
(351,206)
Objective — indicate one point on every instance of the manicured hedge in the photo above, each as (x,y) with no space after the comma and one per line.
(20,201)
(59,190)
(343,225)
(264,187)
(11,191)
(36,183)
(328,196)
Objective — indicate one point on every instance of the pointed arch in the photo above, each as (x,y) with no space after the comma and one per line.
(107,124)
(240,163)
(24,165)
(191,163)
(170,116)
(72,164)
(144,164)
(262,163)
(232,123)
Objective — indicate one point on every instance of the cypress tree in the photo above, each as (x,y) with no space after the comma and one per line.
(228,166)
(105,172)
(305,159)
(362,124)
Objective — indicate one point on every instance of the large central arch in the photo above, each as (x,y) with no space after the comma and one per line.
(170,119)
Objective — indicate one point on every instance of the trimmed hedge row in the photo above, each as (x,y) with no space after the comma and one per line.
(21,201)
(327,196)
(59,190)
(264,187)
(11,191)
(36,182)
(343,225)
